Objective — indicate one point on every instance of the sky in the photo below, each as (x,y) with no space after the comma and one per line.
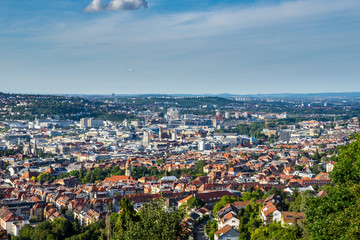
(179,46)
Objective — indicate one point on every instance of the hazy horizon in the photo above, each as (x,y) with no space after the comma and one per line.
(190,95)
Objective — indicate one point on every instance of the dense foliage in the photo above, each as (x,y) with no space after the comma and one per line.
(275,231)
(60,229)
(153,221)
(99,174)
(194,202)
(347,169)
(210,228)
(84,176)
(252,194)
(254,129)
(249,220)
(337,215)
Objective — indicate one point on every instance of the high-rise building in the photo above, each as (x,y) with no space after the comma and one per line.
(201,146)
(91,123)
(83,123)
(285,136)
(174,135)
(214,122)
(173,113)
(146,138)
(227,115)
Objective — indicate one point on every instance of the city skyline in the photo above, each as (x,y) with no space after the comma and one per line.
(144,47)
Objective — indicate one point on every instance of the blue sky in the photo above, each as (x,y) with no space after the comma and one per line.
(179,46)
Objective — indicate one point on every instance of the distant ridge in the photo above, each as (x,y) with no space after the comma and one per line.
(226,95)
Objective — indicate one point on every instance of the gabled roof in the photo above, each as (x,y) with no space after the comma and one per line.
(223,230)
(268,209)
(228,216)
(7,216)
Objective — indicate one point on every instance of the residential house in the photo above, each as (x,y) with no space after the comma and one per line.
(226,233)
(270,213)
(8,220)
(230,219)
(291,217)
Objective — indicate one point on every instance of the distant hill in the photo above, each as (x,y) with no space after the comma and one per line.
(228,95)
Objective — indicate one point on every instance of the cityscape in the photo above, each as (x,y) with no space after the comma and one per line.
(180,120)
(212,158)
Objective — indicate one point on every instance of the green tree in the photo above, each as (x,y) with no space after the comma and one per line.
(210,228)
(249,220)
(194,202)
(250,194)
(275,231)
(337,215)
(220,204)
(126,217)
(154,222)
(41,153)
(160,161)
(299,205)
(45,177)
(347,167)
(200,166)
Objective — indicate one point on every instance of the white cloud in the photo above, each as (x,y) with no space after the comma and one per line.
(126,4)
(113,5)
(177,26)
(94,6)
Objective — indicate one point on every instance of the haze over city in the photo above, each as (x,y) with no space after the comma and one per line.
(179,46)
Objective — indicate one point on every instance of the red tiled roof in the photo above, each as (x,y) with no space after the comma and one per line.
(118,179)
(223,230)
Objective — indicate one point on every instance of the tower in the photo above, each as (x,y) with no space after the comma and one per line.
(28,152)
(128,168)
(160,133)
(35,149)
(126,123)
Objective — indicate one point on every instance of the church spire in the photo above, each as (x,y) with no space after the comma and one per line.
(28,152)
(35,150)
(128,168)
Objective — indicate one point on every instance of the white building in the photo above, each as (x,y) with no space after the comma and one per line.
(330,166)
(173,113)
